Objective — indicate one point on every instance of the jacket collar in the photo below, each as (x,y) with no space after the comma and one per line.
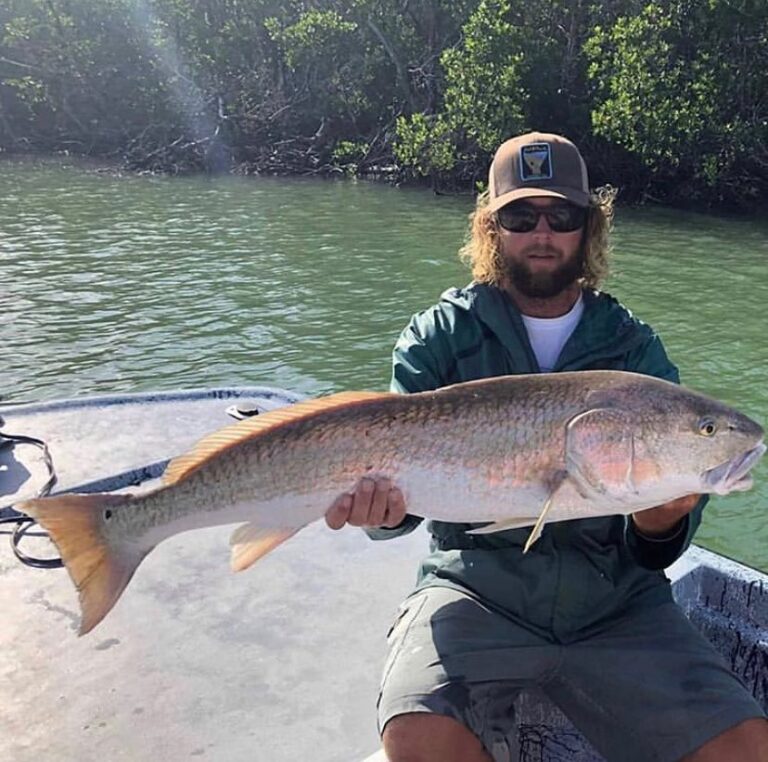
(606,328)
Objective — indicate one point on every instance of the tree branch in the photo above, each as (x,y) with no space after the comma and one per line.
(401,76)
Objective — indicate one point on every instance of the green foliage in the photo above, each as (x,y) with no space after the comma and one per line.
(484,96)
(483,99)
(348,154)
(87,78)
(424,144)
(317,35)
(682,86)
(657,98)
(665,97)
(318,49)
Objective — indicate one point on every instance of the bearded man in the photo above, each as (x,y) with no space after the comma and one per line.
(587,615)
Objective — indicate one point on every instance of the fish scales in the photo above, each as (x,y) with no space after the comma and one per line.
(514,451)
(396,435)
(514,438)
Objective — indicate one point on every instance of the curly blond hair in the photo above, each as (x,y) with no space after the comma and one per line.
(481,249)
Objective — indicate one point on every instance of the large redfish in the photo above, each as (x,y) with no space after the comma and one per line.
(514,451)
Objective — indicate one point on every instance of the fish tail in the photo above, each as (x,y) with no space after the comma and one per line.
(99,568)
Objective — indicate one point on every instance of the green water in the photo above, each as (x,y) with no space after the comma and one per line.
(125,283)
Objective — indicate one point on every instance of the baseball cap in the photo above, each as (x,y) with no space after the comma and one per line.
(537,164)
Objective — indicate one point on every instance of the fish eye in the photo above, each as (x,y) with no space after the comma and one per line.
(707,427)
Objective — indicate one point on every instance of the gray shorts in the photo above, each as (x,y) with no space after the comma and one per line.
(649,688)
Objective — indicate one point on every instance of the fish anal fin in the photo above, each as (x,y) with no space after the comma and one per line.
(250,542)
(99,570)
(257,425)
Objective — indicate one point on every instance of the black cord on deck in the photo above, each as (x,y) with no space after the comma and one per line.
(25,523)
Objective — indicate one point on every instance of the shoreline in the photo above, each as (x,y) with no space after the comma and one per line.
(391,175)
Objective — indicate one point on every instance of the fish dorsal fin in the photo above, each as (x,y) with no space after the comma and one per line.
(258,425)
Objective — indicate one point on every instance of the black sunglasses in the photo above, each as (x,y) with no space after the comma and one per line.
(523,218)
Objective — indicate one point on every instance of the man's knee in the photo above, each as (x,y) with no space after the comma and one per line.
(424,737)
(746,742)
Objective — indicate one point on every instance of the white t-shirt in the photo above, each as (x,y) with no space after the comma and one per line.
(548,335)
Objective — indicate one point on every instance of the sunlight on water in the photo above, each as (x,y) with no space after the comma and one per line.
(126,283)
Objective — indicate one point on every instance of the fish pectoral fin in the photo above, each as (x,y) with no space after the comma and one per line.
(538,528)
(499,526)
(250,542)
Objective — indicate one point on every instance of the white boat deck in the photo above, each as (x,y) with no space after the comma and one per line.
(280,662)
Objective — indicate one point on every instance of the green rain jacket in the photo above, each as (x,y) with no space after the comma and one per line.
(580,574)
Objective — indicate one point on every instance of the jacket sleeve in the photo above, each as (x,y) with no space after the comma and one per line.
(414,366)
(659,552)
(414,369)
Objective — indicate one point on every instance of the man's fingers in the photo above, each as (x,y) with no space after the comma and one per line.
(361,504)
(374,503)
(338,514)
(379,502)
(395,508)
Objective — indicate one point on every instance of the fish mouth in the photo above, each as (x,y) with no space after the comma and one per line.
(733,475)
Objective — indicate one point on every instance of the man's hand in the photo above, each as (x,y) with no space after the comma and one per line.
(374,503)
(661,520)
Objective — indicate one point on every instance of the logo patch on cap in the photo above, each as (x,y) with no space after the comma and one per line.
(535,162)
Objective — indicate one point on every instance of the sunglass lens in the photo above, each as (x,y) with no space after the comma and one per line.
(518,218)
(523,218)
(566,218)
